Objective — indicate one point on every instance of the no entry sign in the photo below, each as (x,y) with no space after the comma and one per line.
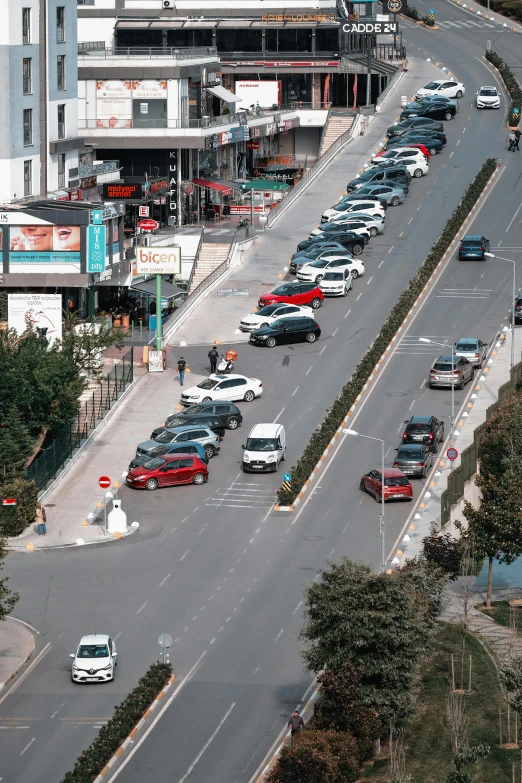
(9,502)
(452,453)
(104,482)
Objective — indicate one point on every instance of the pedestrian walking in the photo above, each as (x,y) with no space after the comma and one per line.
(296,724)
(41,520)
(181,369)
(517,139)
(512,140)
(213,356)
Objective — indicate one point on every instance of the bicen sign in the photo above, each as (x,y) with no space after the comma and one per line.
(158,260)
(96,238)
(41,313)
(369,28)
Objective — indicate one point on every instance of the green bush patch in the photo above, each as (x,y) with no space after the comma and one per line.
(512,85)
(351,390)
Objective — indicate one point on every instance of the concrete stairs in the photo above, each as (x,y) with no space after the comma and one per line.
(211,255)
(336,126)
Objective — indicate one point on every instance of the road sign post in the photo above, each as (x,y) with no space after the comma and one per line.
(165,641)
(287,482)
(104,482)
(452,453)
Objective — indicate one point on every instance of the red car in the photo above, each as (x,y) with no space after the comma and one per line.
(396,485)
(168,471)
(422,147)
(294,293)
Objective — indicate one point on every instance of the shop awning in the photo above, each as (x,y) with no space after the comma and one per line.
(264,184)
(225,95)
(168,291)
(208,183)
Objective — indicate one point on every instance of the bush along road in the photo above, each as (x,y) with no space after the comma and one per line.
(512,86)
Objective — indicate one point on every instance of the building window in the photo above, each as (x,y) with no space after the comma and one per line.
(28,177)
(60,71)
(61,170)
(28,127)
(27,74)
(26,25)
(61,120)
(289,40)
(60,23)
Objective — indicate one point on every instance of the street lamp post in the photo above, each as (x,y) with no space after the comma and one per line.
(382,521)
(511,261)
(447,345)
(106,499)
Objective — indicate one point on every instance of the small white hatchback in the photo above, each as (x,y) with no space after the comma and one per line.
(95,659)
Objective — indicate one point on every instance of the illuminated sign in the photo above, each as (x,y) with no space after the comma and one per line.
(369,28)
(298,18)
(173,187)
(37,244)
(122,192)
(96,248)
(158,260)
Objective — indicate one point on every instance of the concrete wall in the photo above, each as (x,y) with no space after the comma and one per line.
(307,142)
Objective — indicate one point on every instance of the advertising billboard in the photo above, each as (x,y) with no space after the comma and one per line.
(42,313)
(96,248)
(158,260)
(267,94)
(39,245)
(120,192)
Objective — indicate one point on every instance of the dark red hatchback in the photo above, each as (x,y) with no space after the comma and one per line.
(396,485)
(168,471)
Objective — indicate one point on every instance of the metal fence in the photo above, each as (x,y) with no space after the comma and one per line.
(52,458)
(469,457)
(86,47)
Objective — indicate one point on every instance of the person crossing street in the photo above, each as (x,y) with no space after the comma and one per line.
(213,356)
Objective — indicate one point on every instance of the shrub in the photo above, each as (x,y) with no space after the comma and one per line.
(317,757)
(349,393)
(445,553)
(512,85)
(15,519)
(412,12)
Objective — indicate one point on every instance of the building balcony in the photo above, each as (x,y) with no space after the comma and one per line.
(90,52)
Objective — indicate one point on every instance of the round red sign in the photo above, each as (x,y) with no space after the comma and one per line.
(148,224)
(104,482)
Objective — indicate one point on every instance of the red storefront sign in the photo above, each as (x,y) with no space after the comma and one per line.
(245,210)
(253,145)
(76,195)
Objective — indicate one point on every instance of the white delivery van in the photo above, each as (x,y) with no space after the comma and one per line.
(265,448)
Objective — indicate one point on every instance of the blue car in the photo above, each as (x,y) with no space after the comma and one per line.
(473,247)
(167,449)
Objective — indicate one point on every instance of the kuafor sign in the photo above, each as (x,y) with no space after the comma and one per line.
(157,260)
(148,225)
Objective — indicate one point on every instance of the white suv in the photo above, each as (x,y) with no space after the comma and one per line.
(95,659)
(315,271)
(414,165)
(488,98)
(223,387)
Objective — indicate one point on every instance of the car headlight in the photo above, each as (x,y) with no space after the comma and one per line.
(75,668)
(109,666)
(140,478)
(270,458)
(262,336)
(246,458)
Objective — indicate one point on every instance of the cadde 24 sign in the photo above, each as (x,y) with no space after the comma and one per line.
(369,28)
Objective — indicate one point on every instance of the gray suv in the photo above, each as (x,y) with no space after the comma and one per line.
(195,434)
(441,372)
(414,459)
(393,175)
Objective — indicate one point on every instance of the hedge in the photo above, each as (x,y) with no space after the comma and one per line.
(506,7)
(89,765)
(337,413)
(512,85)
(15,519)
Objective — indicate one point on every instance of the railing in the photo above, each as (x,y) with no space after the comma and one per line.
(180,124)
(194,265)
(392,84)
(53,457)
(387,51)
(469,456)
(147,52)
(98,168)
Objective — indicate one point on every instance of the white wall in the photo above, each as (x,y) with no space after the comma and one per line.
(11,27)
(312,118)
(12,177)
(95,29)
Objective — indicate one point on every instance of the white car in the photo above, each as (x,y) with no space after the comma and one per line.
(342,220)
(267,315)
(414,166)
(315,270)
(94,660)
(398,153)
(336,283)
(373,223)
(449,88)
(353,207)
(223,387)
(488,98)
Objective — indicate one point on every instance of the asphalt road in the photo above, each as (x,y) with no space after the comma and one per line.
(212,566)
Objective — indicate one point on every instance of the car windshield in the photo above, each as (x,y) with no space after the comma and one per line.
(277,325)
(396,481)
(342,208)
(314,252)
(282,290)
(409,452)
(158,451)
(472,242)
(190,409)
(333,276)
(208,383)
(432,86)
(488,91)
(466,345)
(268,310)
(165,437)
(93,651)
(261,444)
(320,263)
(154,464)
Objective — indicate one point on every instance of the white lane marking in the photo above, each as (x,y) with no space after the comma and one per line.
(55,713)
(387,451)
(464,130)
(382,262)
(295,391)
(359,296)
(348,313)
(369,281)
(278,635)
(412,404)
(195,509)
(309,370)
(457,144)
(142,607)
(32,629)
(391,248)
(513,218)
(400,235)
(213,640)
(256,669)
(278,415)
(207,743)
(29,669)
(323,349)
(164,580)
(451,155)
(335,331)
(420,205)
(184,520)
(183,556)
(297,607)
(409,221)
(28,746)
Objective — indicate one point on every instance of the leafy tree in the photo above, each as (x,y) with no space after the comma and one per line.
(444,552)
(381,623)
(318,757)
(511,678)
(8,598)
(464,758)
(16,444)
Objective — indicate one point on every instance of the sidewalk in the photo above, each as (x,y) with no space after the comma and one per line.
(16,646)
(217,317)
(77,494)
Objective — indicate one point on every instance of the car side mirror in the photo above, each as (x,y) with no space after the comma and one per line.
(396,449)
(72,655)
(114,654)
(243,447)
(406,421)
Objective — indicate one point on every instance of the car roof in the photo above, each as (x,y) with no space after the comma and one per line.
(264,430)
(208,403)
(420,420)
(466,340)
(436,81)
(487,87)
(178,455)
(218,377)
(96,638)
(408,446)
(445,359)
(390,472)
(185,427)
(471,238)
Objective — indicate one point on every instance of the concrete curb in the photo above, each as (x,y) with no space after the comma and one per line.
(127,741)
(448,252)
(109,539)
(489,17)
(5,683)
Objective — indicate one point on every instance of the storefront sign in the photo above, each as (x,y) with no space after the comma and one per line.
(42,313)
(88,182)
(240,134)
(253,145)
(116,192)
(210,78)
(143,211)
(173,187)
(76,195)
(225,137)
(304,18)
(289,124)
(369,28)
(38,247)
(393,6)
(152,186)
(271,128)
(285,64)
(102,276)
(149,88)
(158,260)
(236,209)
(255,132)
(96,238)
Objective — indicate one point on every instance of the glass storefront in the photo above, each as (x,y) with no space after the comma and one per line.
(243,40)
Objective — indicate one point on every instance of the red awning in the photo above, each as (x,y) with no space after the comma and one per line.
(207,183)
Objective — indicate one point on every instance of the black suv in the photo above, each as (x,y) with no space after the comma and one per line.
(434,110)
(287,330)
(209,420)
(351,241)
(318,242)
(228,413)
(414,123)
(424,429)
(391,174)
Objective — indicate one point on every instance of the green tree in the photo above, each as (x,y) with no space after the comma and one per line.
(318,757)
(464,758)
(16,444)
(8,598)
(444,552)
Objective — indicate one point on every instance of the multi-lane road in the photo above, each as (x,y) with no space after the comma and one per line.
(213,566)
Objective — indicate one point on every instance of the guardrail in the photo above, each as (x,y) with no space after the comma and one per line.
(148,52)
(390,87)
(177,124)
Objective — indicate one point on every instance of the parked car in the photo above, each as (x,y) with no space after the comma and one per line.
(473,247)
(316,269)
(336,283)
(415,166)
(287,330)
(389,193)
(95,659)
(397,154)
(363,207)
(518,309)
(267,315)
(167,472)
(435,110)
(166,450)
(397,145)
(301,259)
(413,123)
(228,414)
(361,235)
(317,244)
(442,372)
(385,173)
(427,100)
(223,387)
(488,98)
(294,293)
(373,224)
(447,87)
(396,485)
(209,439)
(414,459)
(471,349)
(352,242)
(416,138)
(424,429)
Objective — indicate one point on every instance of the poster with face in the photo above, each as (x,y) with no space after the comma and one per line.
(44,244)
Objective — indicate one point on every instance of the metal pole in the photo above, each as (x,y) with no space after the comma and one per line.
(158,313)
(252,207)
(395,31)
(452,434)
(369,76)
(382,526)
(513,319)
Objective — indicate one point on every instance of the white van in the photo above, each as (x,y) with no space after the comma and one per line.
(265,448)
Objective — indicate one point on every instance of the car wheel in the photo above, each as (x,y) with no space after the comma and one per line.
(355,274)
(395,201)
(345,292)
(151,484)
(433,151)
(249,396)
(448,116)
(207,399)
(357,249)
(319,278)
(283,456)
(210,451)
(377,497)
(373,231)
(424,473)
(310,337)
(461,385)
(361,486)
(233,423)
(458,94)
(417,173)
(270,342)
(315,303)
(199,479)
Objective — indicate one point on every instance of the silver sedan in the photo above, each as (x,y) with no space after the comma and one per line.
(471,349)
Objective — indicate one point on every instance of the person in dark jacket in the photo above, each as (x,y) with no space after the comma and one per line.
(517,139)
(296,724)
(182,364)
(213,356)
